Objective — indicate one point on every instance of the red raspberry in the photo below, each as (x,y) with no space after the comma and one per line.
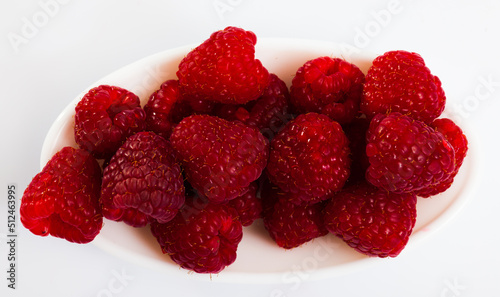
(329,86)
(220,158)
(160,108)
(248,205)
(309,158)
(290,225)
(399,81)
(142,182)
(458,141)
(105,117)
(63,199)
(372,221)
(406,155)
(223,69)
(203,237)
(269,113)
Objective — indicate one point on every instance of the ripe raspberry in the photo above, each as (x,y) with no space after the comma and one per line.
(372,221)
(269,113)
(63,199)
(220,158)
(142,182)
(399,81)
(290,225)
(309,158)
(406,155)
(223,69)
(329,86)
(105,117)
(248,205)
(160,108)
(203,237)
(455,136)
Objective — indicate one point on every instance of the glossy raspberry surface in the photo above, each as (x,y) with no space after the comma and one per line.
(399,81)
(371,220)
(309,158)
(223,69)
(406,155)
(63,199)
(203,237)
(330,86)
(105,117)
(220,158)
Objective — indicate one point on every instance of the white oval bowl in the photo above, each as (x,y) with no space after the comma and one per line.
(259,259)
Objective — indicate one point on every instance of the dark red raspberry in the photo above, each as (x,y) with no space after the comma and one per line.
(372,221)
(63,199)
(458,141)
(105,117)
(203,237)
(399,81)
(406,155)
(142,182)
(248,205)
(330,86)
(290,225)
(223,69)
(269,113)
(309,158)
(220,158)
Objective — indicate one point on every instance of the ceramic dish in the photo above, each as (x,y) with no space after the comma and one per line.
(259,259)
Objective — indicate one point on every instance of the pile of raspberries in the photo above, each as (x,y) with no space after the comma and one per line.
(227,143)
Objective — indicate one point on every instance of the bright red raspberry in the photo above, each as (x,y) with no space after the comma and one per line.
(330,86)
(63,199)
(248,205)
(269,113)
(105,117)
(220,158)
(203,237)
(142,182)
(309,158)
(458,141)
(290,225)
(399,81)
(223,69)
(371,220)
(406,155)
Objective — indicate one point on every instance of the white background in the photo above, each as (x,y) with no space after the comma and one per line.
(52,50)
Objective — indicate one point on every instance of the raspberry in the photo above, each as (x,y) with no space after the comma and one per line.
(458,141)
(248,205)
(220,158)
(63,199)
(160,108)
(399,81)
(203,237)
(142,182)
(329,86)
(223,69)
(309,158)
(372,221)
(406,155)
(269,113)
(105,117)
(290,225)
